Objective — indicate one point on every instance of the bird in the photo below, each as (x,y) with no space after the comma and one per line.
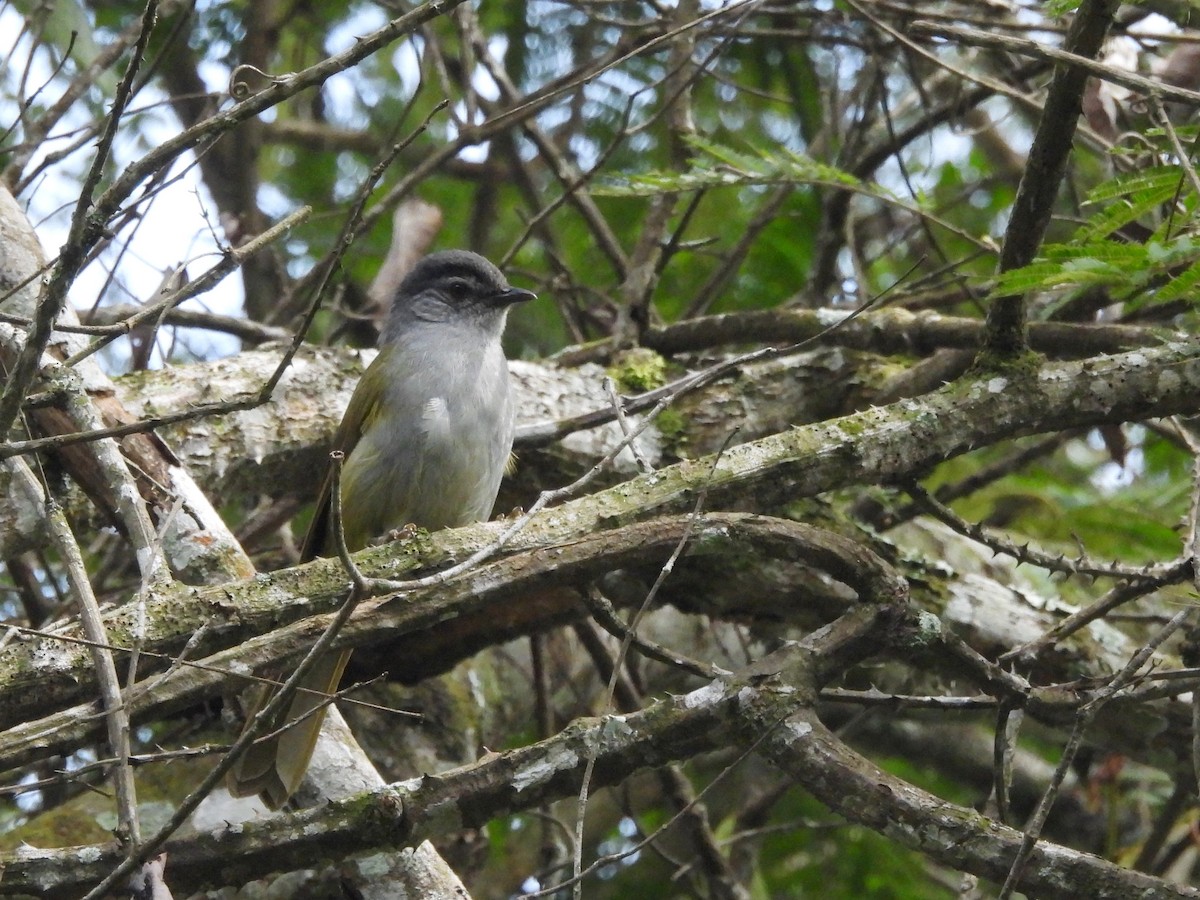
(426,439)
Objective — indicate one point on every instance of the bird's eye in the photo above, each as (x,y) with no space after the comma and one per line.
(458,288)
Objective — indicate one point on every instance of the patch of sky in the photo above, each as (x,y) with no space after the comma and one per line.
(168,227)
(363,19)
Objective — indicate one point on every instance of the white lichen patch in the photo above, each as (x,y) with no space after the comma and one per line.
(997,385)
(486,582)
(748,695)
(89,854)
(1060,376)
(704,696)
(375,866)
(615,730)
(1111,639)
(277,597)
(934,837)
(544,769)
(830,317)
(992,609)
(798,729)
(146,558)
(51,657)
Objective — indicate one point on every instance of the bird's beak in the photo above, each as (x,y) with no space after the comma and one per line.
(513,295)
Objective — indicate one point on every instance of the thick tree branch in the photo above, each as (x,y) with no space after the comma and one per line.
(953,835)
(885,331)
(259,452)
(767,707)
(408,812)
(1044,172)
(475,607)
(902,440)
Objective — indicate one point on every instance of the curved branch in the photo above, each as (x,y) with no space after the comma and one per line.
(430,630)
(900,440)
(766,707)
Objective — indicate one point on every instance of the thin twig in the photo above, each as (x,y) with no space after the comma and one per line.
(268,713)
(610,388)
(85,228)
(115,714)
(1023,553)
(1083,720)
(606,617)
(231,259)
(351,229)
(602,861)
(1158,90)
(623,652)
(545,433)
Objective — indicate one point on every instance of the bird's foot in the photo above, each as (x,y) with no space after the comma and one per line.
(400,534)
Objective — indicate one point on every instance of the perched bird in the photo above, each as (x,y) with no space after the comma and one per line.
(427,437)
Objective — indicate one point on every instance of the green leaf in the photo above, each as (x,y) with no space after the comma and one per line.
(1131,197)
(1155,178)
(1075,265)
(717,165)
(1182,285)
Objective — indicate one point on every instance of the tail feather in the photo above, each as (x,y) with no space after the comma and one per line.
(274,767)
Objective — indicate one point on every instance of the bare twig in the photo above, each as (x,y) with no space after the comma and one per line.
(1083,720)
(622,654)
(85,229)
(1139,84)
(115,715)
(1024,553)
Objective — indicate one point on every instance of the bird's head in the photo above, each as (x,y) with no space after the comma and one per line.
(454,287)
